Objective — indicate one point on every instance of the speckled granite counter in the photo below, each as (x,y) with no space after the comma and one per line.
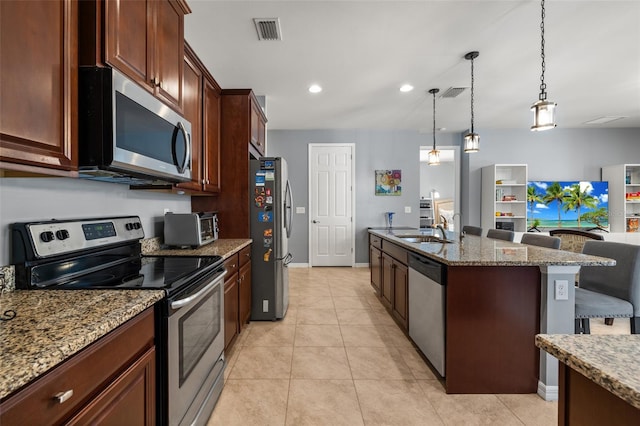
(482,251)
(611,361)
(223,247)
(52,325)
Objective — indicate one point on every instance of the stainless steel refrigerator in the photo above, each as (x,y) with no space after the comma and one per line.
(271,216)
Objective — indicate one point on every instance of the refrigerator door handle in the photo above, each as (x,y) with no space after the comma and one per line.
(288,208)
(287,259)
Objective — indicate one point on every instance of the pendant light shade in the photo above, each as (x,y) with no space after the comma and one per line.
(471,139)
(434,155)
(543,110)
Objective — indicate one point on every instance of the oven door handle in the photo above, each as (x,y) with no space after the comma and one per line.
(182,302)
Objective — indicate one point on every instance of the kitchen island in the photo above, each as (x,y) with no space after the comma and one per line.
(599,378)
(498,295)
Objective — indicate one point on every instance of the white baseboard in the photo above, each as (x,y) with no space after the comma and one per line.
(548,393)
(306,265)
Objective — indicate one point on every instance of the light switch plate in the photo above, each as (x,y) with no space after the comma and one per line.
(562,289)
(300,210)
(407,209)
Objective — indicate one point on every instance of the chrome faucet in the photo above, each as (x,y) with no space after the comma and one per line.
(441,228)
(461,233)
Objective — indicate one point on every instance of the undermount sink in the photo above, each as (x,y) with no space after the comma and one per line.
(423,239)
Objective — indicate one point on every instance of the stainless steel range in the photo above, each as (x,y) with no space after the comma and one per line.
(105,254)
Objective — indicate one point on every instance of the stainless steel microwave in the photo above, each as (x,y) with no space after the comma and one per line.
(127,135)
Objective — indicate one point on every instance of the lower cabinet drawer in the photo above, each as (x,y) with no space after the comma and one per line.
(65,389)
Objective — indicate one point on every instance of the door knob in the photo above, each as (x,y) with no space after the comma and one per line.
(315,221)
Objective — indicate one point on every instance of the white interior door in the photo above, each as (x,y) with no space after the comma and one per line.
(331,237)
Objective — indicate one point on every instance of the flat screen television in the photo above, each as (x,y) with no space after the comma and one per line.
(568,204)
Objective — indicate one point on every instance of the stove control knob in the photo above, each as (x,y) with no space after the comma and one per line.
(47,236)
(137,225)
(129,226)
(62,234)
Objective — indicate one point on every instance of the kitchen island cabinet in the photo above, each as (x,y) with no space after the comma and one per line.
(67,372)
(599,378)
(39,69)
(498,296)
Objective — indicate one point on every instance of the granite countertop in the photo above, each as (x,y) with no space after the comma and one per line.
(222,247)
(482,251)
(611,361)
(52,325)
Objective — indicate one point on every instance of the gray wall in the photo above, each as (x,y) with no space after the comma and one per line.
(26,199)
(374,150)
(565,154)
(441,177)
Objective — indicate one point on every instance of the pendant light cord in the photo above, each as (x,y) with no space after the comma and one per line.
(472,95)
(543,86)
(434,121)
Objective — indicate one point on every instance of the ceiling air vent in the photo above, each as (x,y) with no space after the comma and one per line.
(268,28)
(453,92)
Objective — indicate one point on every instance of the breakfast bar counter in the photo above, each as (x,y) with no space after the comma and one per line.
(599,377)
(497,296)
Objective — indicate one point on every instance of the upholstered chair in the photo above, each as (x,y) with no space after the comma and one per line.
(472,230)
(609,291)
(501,234)
(541,240)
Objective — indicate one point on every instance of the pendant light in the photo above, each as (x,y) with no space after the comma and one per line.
(543,110)
(472,139)
(434,155)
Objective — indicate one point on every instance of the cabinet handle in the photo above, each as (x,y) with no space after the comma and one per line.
(63,396)
(207,181)
(203,181)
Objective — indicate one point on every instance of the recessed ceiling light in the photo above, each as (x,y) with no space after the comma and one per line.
(406,88)
(603,120)
(314,88)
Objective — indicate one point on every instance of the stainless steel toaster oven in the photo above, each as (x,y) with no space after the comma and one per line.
(190,229)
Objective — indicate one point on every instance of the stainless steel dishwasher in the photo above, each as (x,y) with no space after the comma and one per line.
(427,308)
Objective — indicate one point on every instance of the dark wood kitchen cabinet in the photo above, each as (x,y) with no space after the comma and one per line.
(244,282)
(94,385)
(237,295)
(201,106)
(38,87)
(143,39)
(236,148)
(231,294)
(375,262)
(394,275)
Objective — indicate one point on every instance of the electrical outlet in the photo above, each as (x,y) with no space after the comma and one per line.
(300,210)
(407,209)
(562,289)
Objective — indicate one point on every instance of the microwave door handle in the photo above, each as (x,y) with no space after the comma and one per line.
(187,148)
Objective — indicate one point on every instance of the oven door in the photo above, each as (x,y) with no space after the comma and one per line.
(195,350)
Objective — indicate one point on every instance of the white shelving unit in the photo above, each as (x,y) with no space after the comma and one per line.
(624,197)
(504,197)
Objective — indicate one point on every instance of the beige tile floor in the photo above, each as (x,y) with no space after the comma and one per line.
(338,358)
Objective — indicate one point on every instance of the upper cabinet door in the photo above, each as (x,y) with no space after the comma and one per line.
(211,146)
(38,87)
(129,44)
(169,50)
(144,39)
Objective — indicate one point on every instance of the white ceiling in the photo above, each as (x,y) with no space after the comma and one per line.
(361,52)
